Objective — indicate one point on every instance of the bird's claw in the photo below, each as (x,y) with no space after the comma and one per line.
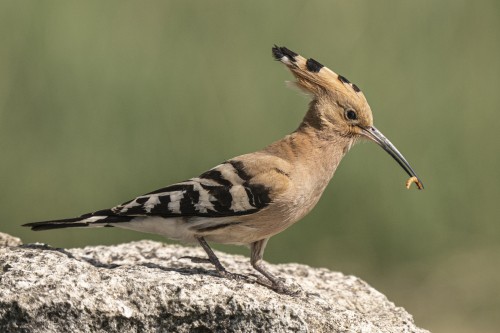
(197,260)
(279,287)
(222,272)
(232,276)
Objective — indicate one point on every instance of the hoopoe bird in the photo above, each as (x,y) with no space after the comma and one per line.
(252,197)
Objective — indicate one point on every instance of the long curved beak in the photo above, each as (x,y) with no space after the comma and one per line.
(375,135)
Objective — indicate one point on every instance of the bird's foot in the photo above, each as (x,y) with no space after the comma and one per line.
(232,276)
(279,286)
(197,260)
(221,271)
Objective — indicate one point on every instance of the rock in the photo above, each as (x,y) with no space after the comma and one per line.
(8,240)
(145,287)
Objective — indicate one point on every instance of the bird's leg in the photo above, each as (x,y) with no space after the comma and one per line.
(212,258)
(211,255)
(257,253)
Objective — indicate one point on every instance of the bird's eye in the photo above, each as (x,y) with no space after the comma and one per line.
(351,114)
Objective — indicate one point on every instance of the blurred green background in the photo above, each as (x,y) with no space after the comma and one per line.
(103,101)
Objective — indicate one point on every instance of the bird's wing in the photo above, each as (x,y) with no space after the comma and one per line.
(240,186)
(225,190)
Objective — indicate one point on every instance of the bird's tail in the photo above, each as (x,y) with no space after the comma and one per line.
(104,218)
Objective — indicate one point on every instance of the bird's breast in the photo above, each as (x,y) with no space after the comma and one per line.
(310,180)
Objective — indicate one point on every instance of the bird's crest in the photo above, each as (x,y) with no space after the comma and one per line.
(312,76)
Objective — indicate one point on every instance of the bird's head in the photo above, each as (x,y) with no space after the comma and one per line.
(338,107)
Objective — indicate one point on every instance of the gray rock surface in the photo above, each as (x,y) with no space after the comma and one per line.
(145,287)
(8,240)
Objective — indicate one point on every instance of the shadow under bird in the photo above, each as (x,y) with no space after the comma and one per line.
(249,198)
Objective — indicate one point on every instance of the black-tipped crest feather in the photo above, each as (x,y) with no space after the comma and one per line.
(313,66)
(280,51)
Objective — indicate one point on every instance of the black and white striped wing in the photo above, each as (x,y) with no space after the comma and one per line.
(222,191)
